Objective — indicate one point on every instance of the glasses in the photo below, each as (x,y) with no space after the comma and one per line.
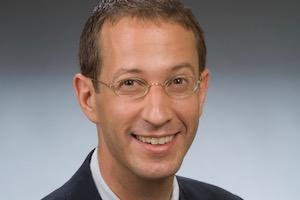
(177,87)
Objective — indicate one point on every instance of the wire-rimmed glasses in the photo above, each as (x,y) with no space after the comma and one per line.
(177,87)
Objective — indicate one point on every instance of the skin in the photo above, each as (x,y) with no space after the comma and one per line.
(152,51)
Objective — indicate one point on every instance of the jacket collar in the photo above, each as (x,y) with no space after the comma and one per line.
(82,186)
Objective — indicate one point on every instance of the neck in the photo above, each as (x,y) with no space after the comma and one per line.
(129,186)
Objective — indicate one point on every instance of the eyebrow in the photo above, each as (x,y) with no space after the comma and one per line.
(183,65)
(136,70)
(132,70)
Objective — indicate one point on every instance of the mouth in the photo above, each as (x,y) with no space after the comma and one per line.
(154,140)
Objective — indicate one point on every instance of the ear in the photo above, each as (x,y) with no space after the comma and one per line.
(203,87)
(86,96)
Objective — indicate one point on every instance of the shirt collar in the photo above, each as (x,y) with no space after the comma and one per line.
(105,192)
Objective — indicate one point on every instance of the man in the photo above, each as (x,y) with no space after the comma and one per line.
(143,83)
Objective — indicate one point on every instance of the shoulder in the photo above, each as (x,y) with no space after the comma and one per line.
(80,186)
(65,191)
(193,189)
(55,195)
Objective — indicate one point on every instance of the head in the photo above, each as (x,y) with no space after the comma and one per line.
(161,43)
(111,11)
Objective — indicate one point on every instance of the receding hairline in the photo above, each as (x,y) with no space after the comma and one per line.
(158,21)
(144,21)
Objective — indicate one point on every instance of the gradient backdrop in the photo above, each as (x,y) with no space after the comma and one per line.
(249,137)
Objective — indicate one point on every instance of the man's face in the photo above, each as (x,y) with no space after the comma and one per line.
(129,128)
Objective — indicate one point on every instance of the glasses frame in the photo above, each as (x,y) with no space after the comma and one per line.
(148,85)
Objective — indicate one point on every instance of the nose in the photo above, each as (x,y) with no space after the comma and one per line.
(157,109)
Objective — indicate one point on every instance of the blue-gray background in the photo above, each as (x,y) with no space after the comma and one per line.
(249,136)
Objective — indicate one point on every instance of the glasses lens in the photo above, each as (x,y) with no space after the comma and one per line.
(181,86)
(130,87)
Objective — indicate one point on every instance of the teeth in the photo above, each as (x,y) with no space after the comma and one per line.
(155,141)
(162,140)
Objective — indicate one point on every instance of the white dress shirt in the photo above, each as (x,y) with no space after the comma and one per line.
(104,190)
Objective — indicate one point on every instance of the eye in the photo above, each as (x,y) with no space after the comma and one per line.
(179,81)
(179,85)
(130,84)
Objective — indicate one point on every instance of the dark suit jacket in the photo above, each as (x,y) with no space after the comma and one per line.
(82,187)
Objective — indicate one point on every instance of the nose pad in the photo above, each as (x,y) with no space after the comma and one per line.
(157,107)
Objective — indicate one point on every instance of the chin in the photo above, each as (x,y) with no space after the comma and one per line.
(158,171)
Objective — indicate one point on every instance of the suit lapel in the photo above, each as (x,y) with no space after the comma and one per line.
(82,185)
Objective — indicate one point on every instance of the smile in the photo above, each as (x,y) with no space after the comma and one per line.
(155,140)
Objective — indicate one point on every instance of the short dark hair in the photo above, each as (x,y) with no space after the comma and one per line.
(113,10)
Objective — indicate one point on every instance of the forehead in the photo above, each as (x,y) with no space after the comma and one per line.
(150,46)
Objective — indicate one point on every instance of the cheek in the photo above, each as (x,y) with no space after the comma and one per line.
(116,114)
(188,113)
(189,109)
